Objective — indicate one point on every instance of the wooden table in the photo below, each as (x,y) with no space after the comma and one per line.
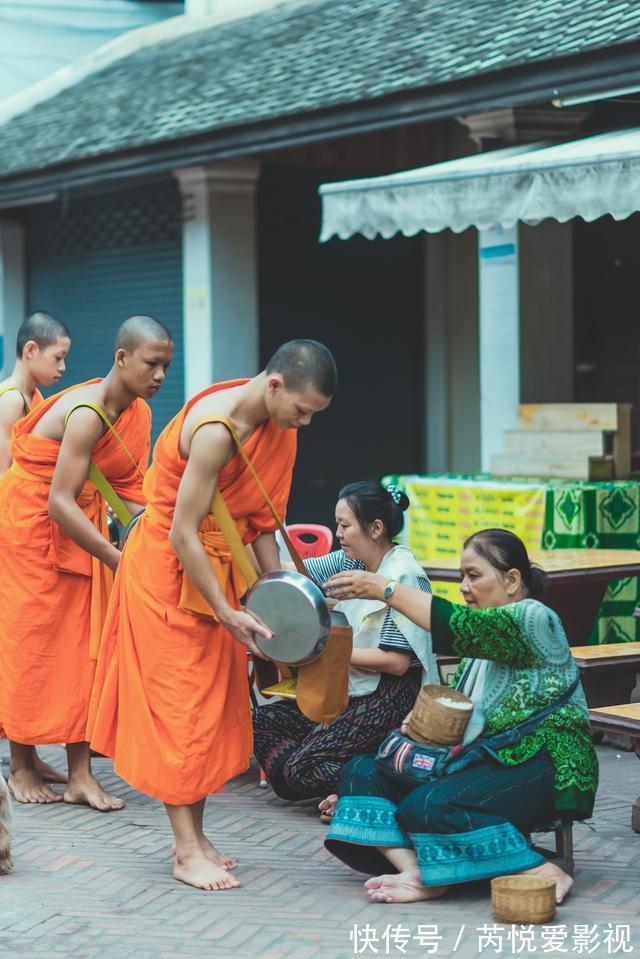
(608,672)
(576,582)
(621,719)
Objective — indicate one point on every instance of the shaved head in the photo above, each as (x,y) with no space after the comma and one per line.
(42,329)
(303,363)
(137,329)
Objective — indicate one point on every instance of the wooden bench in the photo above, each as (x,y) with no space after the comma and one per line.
(608,672)
(621,719)
(563,853)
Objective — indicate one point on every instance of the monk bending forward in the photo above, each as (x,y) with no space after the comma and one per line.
(56,562)
(171,700)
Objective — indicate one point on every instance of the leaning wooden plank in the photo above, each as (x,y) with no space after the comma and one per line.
(601,468)
(622,442)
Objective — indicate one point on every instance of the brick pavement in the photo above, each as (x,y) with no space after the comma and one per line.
(89,885)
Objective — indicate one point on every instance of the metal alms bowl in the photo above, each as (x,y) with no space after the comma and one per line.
(129,527)
(296,612)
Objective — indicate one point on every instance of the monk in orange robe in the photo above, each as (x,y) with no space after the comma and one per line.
(171,700)
(42,345)
(56,561)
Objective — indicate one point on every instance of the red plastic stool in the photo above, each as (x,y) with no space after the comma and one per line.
(311,539)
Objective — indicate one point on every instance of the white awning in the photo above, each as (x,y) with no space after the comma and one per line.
(587,178)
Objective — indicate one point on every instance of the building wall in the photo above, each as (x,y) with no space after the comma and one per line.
(607,293)
(96,260)
(546,312)
(364,300)
(452,362)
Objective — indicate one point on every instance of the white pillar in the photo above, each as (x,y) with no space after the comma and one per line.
(499,328)
(221,332)
(12,290)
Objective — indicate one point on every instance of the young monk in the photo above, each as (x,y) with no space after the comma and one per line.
(56,562)
(171,698)
(41,348)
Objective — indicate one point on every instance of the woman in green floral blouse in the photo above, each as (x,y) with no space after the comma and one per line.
(475,823)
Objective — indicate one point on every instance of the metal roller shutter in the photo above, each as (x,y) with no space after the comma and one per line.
(94,261)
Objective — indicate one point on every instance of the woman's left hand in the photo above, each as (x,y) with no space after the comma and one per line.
(356,584)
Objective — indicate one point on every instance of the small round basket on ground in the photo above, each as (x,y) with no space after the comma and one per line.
(523,899)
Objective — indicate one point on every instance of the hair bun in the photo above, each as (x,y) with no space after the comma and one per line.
(398,496)
(537,580)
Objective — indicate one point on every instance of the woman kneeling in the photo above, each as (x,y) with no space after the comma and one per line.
(475,823)
(391,655)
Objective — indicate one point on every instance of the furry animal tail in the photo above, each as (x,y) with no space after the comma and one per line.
(6,862)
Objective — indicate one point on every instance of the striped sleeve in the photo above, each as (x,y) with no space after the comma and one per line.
(392,639)
(321,568)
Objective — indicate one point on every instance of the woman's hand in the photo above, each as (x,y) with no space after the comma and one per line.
(404,726)
(244,627)
(356,584)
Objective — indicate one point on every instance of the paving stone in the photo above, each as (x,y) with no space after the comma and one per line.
(90,886)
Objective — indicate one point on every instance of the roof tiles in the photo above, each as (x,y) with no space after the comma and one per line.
(300,56)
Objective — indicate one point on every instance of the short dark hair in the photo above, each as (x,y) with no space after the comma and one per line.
(42,328)
(370,501)
(137,328)
(505,551)
(305,363)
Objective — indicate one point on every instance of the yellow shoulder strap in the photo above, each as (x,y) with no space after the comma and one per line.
(223,516)
(96,475)
(8,388)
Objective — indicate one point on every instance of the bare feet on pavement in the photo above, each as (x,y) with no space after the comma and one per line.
(89,792)
(29,787)
(48,773)
(549,870)
(213,855)
(196,870)
(402,887)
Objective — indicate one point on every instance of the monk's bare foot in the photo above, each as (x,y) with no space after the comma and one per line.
(402,887)
(29,787)
(549,870)
(213,855)
(196,870)
(48,773)
(88,792)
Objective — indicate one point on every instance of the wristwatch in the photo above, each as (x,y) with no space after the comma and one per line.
(387,592)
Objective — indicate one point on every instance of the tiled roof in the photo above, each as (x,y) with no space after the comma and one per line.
(298,57)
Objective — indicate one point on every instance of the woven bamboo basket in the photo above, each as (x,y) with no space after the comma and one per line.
(523,899)
(436,724)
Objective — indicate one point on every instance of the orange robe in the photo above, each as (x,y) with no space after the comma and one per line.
(53,594)
(171,699)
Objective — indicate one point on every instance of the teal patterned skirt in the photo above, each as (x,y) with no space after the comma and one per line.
(470,825)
